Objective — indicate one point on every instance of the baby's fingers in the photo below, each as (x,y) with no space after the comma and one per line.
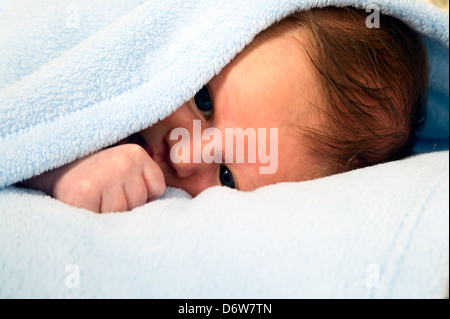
(113,199)
(135,191)
(153,178)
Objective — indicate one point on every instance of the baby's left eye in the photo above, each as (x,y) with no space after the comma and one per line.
(226,177)
(204,102)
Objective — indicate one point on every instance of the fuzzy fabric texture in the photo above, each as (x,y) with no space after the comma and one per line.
(381,232)
(77,76)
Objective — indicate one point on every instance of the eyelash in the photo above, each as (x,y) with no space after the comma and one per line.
(204,97)
(226,180)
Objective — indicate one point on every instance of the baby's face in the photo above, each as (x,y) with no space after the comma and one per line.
(270,85)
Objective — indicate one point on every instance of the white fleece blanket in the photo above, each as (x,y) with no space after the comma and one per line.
(76,76)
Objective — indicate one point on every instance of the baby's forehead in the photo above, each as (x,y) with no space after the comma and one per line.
(271,83)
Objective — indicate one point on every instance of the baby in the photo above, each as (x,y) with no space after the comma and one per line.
(341,95)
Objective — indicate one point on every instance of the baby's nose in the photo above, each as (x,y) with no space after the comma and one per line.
(191,155)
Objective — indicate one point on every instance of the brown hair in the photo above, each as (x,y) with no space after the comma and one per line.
(375,81)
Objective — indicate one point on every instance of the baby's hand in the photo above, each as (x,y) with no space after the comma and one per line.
(112,180)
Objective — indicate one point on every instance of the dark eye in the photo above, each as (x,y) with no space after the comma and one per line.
(226,178)
(203,102)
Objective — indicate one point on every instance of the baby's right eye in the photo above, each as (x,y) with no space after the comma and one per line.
(204,102)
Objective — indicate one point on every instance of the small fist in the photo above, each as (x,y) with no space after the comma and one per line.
(112,180)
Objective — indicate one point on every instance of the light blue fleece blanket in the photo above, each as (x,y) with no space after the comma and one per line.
(77,76)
